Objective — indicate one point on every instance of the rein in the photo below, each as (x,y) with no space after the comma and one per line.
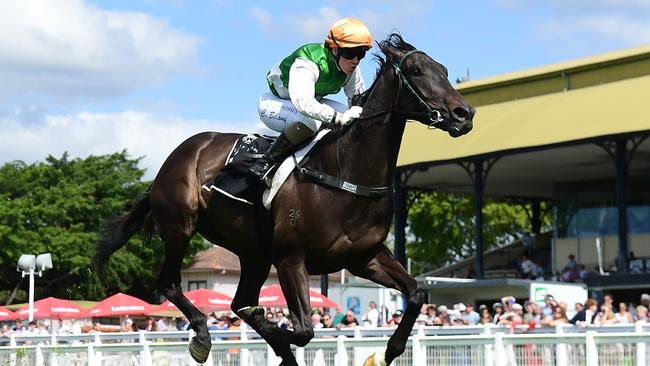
(434,115)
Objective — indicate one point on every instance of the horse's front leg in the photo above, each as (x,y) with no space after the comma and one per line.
(294,280)
(385,270)
(245,304)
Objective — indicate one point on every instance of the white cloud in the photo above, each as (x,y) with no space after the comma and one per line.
(312,27)
(264,19)
(575,24)
(63,48)
(83,134)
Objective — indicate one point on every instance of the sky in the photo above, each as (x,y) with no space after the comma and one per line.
(96,77)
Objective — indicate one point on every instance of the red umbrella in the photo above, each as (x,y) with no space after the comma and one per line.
(6,314)
(205,300)
(53,308)
(119,305)
(272,296)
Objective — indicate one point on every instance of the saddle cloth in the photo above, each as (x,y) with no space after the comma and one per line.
(235,181)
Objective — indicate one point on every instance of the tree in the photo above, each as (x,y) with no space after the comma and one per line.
(60,206)
(441,227)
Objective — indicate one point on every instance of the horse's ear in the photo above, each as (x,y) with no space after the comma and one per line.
(391,53)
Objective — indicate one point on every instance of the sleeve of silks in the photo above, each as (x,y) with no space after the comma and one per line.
(302,80)
(354,85)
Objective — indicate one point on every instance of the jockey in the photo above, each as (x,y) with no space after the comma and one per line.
(296,106)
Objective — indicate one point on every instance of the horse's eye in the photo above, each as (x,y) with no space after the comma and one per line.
(416,71)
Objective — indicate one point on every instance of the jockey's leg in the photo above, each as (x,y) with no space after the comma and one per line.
(292,136)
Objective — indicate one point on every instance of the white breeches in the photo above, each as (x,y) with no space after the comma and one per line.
(277,113)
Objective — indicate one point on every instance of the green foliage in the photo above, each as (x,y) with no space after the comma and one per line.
(441,227)
(60,206)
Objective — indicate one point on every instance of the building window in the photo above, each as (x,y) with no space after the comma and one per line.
(195,285)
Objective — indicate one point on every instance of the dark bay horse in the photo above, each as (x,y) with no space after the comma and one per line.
(314,229)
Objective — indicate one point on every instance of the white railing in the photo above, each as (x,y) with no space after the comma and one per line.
(428,346)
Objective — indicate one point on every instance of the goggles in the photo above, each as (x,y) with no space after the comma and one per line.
(351,53)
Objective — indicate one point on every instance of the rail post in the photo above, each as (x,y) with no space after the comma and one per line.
(12,355)
(244,352)
(640,346)
(145,354)
(590,348)
(38,356)
(488,359)
(341,357)
(92,359)
(499,350)
(418,353)
(300,356)
(560,348)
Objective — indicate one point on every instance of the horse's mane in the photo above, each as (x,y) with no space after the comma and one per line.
(393,41)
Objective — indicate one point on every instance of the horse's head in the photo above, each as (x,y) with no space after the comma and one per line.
(424,92)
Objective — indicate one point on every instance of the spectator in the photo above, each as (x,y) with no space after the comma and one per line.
(150,325)
(486,317)
(577,307)
(371,318)
(558,317)
(281,320)
(395,319)
(642,313)
(605,316)
(624,316)
(587,315)
(164,324)
(571,263)
(6,332)
(471,317)
(316,321)
(608,300)
(270,316)
(327,321)
(582,272)
(529,314)
(97,328)
(443,315)
(527,267)
(349,321)
(497,307)
(182,323)
(432,316)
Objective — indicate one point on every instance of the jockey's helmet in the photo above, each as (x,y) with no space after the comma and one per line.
(348,33)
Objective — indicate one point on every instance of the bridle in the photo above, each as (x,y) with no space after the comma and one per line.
(434,115)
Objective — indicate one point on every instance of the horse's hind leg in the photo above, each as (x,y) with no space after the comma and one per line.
(175,226)
(245,304)
(385,270)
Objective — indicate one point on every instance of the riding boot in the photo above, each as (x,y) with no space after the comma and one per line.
(280,148)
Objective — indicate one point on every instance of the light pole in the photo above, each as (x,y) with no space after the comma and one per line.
(28,264)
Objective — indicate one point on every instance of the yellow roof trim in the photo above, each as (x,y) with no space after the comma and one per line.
(608,109)
(590,61)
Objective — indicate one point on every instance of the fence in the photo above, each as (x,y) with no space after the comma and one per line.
(430,346)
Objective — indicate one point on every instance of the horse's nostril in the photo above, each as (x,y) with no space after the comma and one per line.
(461,113)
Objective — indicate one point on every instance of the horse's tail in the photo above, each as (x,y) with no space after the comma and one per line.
(117,233)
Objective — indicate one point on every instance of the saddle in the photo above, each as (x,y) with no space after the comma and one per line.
(234,180)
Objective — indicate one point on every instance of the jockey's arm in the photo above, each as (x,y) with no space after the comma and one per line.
(302,80)
(354,85)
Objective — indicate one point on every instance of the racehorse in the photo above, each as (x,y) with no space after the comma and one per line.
(311,228)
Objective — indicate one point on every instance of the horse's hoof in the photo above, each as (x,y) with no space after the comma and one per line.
(376,359)
(199,351)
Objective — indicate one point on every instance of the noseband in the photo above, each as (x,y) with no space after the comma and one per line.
(435,116)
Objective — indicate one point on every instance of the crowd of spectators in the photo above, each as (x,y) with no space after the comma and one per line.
(508,311)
